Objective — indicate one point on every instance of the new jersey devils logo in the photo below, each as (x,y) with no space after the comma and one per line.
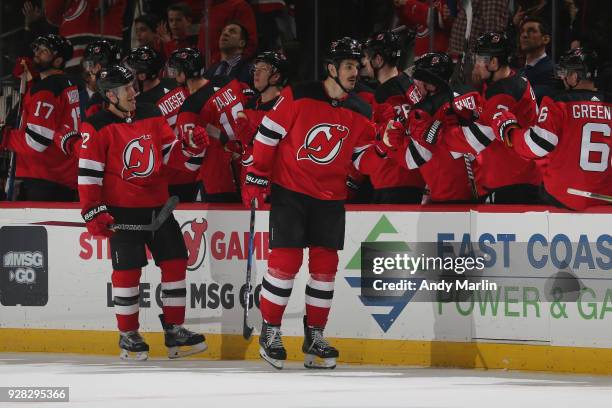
(138,158)
(75,9)
(323,143)
(193,234)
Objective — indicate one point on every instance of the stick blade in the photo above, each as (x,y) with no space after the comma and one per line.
(247,331)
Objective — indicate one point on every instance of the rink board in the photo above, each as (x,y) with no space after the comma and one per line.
(72,312)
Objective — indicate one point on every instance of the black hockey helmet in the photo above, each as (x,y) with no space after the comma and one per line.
(277,61)
(144,60)
(188,61)
(581,60)
(386,43)
(112,77)
(101,52)
(494,44)
(435,68)
(61,46)
(344,48)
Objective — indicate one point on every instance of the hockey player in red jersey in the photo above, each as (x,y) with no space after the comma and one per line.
(573,132)
(269,77)
(165,93)
(124,148)
(517,181)
(417,143)
(395,96)
(302,149)
(212,104)
(97,55)
(168,96)
(45,140)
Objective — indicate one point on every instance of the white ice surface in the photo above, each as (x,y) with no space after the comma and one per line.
(110,383)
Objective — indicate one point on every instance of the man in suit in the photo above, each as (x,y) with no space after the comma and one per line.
(539,67)
(232,43)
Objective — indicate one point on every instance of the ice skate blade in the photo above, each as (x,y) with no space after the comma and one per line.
(177,352)
(278,364)
(314,362)
(134,356)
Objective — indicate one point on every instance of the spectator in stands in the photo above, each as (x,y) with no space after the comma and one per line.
(145,26)
(232,43)
(539,67)
(220,13)
(179,26)
(487,15)
(415,14)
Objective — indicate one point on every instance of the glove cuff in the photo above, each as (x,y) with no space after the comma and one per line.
(66,142)
(257,180)
(504,130)
(431,136)
(94,212)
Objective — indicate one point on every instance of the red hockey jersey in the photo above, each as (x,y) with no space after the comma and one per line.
(168,97)
(308,139)
(401,94)
(497,166)
(443,168)
(574,132)
(120,163)
(255,110)
(49,122)
(214,107)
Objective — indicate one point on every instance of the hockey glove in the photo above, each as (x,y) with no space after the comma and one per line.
(422,128)
(255,188)
(98,221)
(70,143)
(395,135)
(196,140)
(245,128)
(503,123)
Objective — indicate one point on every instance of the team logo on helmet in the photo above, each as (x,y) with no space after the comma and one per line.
(193,234)
(138,158)
(495,38)
(322,143)
(435,60)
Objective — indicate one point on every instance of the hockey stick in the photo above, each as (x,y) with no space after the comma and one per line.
(246,329)
(156,221)
(588,194)
(10,181)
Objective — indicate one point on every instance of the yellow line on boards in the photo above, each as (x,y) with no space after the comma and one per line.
(357,351)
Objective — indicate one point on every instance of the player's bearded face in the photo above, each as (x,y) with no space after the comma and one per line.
(347,73)
(43,58)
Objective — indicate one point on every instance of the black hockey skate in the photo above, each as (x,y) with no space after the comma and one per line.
(133,346)
(318,352)
(271,346)
(180,341)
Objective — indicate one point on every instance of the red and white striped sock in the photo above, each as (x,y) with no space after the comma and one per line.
(173,290)
(126,298)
